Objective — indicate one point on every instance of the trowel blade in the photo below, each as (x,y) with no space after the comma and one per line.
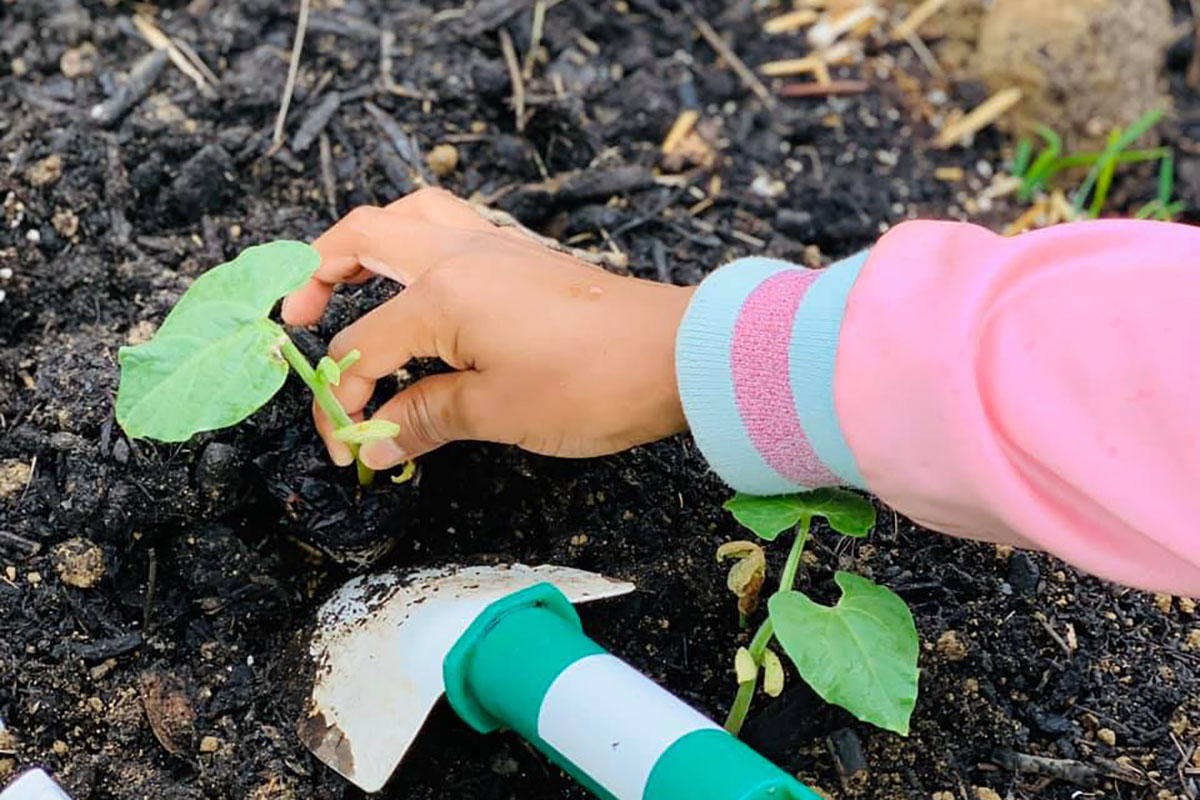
(378,652)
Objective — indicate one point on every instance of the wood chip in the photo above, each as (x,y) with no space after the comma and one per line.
(809,65)
(916,18)
(683,125)
(792,21)
(949,174)
(983,115)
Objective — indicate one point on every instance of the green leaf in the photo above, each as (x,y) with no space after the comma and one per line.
(847,513)
(215,360)
(860,654)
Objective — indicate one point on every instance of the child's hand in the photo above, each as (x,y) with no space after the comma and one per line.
(554,355)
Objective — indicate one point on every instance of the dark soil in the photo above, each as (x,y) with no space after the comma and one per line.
(169,677)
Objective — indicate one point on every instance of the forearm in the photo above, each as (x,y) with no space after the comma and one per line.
(1032,390)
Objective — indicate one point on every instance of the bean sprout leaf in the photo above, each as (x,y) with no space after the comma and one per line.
(846,512)
(860,654)
(215,360)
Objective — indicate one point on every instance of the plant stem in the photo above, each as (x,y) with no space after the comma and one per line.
(325,399)
(762,637)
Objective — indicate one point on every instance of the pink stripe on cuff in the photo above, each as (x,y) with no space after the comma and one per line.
(760,360)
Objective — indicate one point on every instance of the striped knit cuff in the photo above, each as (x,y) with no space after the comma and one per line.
(755,361)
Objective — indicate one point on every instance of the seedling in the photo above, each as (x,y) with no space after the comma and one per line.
(1036,173)
(860,654)
(218,356)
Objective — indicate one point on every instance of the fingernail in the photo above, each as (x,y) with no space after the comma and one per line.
(383,454)
(340,455)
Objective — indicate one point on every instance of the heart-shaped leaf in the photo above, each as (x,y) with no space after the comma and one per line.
(860,654)
(848,513)
(215,360)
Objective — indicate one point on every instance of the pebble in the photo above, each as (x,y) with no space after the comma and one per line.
(79,562)
(45,172)
(1193,640)
(59,747)
(1023,574)
(65,222)
(34,578)
(1107,736)
(984,793)
(10,572)
(951,647)
(443,159)
(210,744)
(79,62)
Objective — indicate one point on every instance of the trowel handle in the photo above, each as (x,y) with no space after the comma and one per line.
(526,664)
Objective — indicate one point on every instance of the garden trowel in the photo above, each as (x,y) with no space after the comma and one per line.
(505,646)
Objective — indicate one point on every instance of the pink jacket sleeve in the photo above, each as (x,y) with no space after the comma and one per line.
(1042,390)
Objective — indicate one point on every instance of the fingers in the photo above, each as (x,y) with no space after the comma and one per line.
(398,242)
(433,411)
(387,338)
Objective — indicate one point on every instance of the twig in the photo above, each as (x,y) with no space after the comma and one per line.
(985,114)
(328,179)
(925,54)
(1053,633)
(12,543)
(791,21)
(612,261)
(151,580)
(535,37)
(160,41)
(833,88)
(735,63)
(293,71)
(1193,72)
(386,40)
(141,77)
(916,18)
(514,75)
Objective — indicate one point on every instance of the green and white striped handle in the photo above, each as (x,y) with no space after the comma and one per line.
(525,664)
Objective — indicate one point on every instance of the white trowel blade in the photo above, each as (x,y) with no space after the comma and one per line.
(379,647)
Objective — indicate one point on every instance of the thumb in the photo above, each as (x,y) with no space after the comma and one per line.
(430,413)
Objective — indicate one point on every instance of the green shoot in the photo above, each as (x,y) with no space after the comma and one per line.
(828,645)
(1036,172)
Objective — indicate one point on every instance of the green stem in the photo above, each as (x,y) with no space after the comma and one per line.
(762,637)
(325,399)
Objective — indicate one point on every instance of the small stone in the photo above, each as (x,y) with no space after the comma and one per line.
(210,744)
(79,563)
(944,796)
(218,472)
(951,647)
(59,747)
(65,222)
(120,451)
(579,540)
(8,742)
(96,705)
(443,159)
(1187,605)
(985,793)
(103,668)
(1023,574)
(45,172)
(7,767)
(10,572)
(14,477)
(1003,552)
(1193,640)
(1107,736)
(812,256)
(18,67)
(79,62)
(34,578)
